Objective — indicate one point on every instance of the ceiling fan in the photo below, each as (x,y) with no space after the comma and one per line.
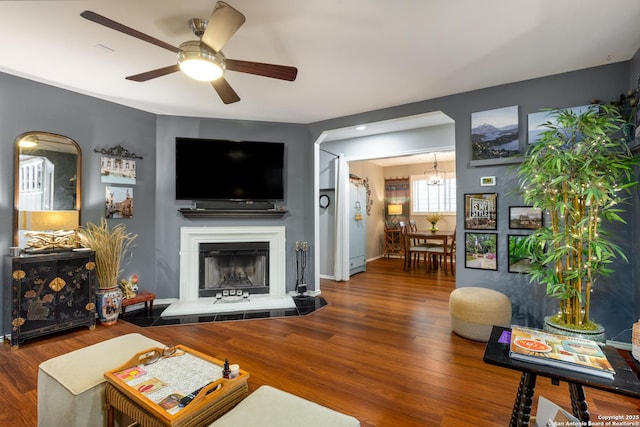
(203,59)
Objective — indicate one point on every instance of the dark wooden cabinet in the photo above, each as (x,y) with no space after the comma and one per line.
(51,293)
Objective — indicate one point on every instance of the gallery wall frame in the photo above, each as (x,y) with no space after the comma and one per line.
(117,170)
(525,218)
(480,211)
(536,120)
(481,251)
(118,202)
(517,260)
(495,136)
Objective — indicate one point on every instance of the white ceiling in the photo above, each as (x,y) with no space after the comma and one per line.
(352,55)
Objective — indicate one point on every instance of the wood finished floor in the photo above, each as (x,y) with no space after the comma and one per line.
(381,351)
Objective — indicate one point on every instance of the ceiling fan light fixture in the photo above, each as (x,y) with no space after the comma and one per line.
(200,63)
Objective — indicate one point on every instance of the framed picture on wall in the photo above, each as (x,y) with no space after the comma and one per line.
(117,170)
(536,121)
(118,202)
(481,211)
(518,261)
(495,136)
(525,218)
(481,251)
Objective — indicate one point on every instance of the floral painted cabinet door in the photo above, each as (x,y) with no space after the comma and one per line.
(50,293)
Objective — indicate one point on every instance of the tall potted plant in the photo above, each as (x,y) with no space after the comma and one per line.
(111,244)
(580,173)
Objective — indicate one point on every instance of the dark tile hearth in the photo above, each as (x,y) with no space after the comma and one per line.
(143,318)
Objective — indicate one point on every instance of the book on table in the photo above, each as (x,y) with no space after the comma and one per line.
(561,351)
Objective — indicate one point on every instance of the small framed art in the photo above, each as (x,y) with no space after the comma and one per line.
(117,170)
(518,260)
(118,202)
(480,211)
(525,218)
(481,251)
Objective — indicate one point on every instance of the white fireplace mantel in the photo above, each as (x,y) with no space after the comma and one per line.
(191,237)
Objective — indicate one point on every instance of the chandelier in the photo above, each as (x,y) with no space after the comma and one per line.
(434,176)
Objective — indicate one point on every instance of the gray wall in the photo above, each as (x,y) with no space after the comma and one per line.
(26,105)
(29,106)
(614,296)
(298,176)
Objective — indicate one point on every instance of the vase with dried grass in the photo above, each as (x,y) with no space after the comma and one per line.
(111,245)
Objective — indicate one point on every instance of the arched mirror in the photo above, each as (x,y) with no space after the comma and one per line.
(47,170)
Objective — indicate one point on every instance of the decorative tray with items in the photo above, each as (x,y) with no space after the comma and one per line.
(175,382)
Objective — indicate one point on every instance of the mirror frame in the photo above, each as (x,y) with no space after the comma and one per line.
(16,176)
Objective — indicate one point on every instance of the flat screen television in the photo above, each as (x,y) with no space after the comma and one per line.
(223,170)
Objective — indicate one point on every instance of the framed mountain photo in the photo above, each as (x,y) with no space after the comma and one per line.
(495,136)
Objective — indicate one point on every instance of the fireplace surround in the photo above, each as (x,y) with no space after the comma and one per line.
(192,237)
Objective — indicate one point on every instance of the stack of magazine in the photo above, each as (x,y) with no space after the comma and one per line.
(572,353)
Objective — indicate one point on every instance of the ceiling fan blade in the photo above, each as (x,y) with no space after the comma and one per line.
(99,19)
(225,91)
(143,77)
(281,72)
(222,24)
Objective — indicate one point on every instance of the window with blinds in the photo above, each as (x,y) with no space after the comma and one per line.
(432,198)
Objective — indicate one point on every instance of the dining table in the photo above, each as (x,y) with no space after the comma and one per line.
(446,237)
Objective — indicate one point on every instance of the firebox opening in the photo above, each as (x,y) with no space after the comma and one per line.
(233,266)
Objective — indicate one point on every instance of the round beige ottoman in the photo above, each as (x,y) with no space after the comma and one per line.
(473,311)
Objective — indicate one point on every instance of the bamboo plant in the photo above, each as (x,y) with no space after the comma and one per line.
(580,173)
(111,245)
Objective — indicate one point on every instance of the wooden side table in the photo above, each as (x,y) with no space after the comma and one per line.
(392,244)
(497,353)
(146,297)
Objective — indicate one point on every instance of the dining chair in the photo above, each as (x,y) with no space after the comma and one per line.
(413,227)
(411,251)
(424,241)
(447,252)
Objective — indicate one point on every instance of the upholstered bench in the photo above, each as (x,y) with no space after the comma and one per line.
(473,311)
(270,407)
(71,386)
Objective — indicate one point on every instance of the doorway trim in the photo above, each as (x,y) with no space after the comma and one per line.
(396,125)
